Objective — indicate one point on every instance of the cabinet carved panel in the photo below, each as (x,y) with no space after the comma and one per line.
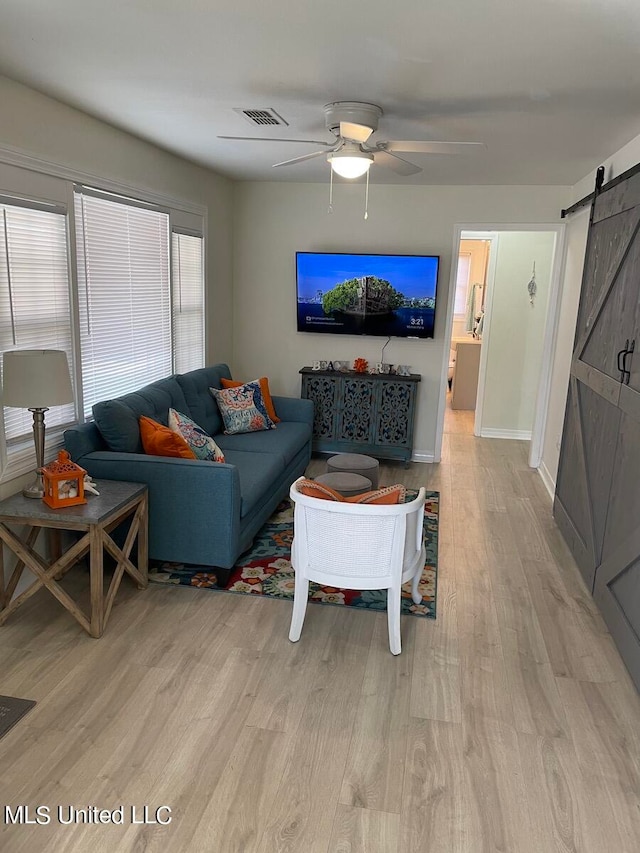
(392,422)
(356,417)
(324,393)
(362,413)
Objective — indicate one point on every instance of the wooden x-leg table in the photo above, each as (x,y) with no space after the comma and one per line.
(97,518)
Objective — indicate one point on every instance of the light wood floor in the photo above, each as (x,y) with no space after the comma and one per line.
(508,724)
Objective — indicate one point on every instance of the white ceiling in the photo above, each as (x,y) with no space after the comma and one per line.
(551,86)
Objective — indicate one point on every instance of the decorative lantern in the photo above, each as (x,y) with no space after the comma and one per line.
(63,482)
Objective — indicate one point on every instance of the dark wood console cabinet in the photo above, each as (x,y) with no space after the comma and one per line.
(362,412)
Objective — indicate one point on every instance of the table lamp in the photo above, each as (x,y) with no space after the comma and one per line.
(35,380)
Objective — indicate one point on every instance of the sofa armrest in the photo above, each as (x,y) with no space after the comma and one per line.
(187,498)
(294,409)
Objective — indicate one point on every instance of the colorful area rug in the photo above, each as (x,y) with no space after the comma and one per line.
(266,568)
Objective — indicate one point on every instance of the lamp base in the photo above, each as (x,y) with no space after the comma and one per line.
(36,489)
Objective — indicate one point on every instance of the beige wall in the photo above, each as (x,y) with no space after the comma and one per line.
(576,241)
(514,346)
(33,124)
(274,220)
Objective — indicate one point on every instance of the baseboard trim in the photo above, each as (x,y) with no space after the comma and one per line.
(418,456)
(518,434)
(547,479)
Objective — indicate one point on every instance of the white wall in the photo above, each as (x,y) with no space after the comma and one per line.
(272,221)
(576,241)
(514,347)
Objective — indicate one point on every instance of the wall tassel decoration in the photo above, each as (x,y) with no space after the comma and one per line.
(532,287)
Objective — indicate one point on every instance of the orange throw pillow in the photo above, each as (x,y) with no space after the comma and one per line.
(158,440)
(264,390)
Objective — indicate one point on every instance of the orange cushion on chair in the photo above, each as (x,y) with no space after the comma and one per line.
(387,495)
(264,389)
(159,440)
(318,490)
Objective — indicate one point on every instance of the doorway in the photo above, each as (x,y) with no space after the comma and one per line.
(518,308)
(474,255)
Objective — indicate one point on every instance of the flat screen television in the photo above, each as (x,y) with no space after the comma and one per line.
(357,294)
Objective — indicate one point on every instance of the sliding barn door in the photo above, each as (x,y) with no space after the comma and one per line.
(597,503)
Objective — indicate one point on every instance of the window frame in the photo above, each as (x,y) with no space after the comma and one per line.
(26,180)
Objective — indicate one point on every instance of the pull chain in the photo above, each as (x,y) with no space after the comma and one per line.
(366,198)
(330,210)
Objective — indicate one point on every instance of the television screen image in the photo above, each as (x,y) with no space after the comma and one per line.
(354,294)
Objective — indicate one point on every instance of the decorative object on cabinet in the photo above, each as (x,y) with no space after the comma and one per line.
(360,365)
(362,413)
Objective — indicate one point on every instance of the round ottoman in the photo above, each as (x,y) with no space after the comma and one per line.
(347,484)
(355,463)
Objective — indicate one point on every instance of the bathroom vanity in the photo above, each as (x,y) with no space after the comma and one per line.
(464,388)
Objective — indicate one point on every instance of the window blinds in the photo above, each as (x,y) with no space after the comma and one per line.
(34,297)
(123,296)
(187,301)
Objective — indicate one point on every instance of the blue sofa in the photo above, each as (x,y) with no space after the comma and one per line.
(202,513)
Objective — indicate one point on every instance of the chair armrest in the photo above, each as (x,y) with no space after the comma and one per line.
(294,409)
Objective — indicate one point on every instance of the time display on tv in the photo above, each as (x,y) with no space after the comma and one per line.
(358,294)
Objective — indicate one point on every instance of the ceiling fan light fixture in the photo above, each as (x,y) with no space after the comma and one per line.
(350,164)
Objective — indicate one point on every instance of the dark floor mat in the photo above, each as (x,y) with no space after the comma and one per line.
(11,710)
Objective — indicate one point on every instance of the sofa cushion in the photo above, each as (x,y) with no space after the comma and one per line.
(257,472)
(285,441)
(201,405)
(117,419)
(118,425)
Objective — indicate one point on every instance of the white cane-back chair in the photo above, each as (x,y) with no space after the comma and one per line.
(356,546)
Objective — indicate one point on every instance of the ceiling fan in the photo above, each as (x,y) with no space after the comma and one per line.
(352,123)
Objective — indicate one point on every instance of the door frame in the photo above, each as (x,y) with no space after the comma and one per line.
(484,231)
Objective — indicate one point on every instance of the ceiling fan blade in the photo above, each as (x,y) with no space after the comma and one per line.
(355,132)
(273,139)
(430,147)
(395,163)
(301,159)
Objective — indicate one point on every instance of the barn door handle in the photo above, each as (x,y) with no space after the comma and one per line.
(626,374)
(621,356)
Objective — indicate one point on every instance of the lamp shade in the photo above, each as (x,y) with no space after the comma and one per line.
(35,378)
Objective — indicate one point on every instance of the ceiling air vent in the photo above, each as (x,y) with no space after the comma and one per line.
(262,117)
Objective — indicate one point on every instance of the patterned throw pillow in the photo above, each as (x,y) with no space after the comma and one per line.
(203,446)
(264,390)
(242,408)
